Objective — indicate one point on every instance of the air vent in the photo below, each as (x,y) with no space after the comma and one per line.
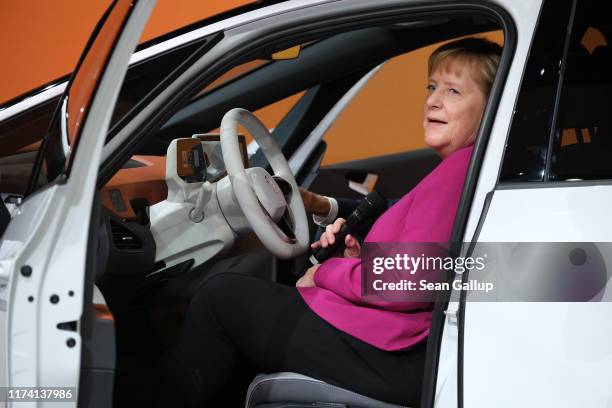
(123,238)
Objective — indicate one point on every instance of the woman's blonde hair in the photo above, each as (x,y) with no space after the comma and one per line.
(481,54)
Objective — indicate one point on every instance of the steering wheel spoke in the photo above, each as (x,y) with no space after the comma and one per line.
(287,224)
(284,185)
(272,205)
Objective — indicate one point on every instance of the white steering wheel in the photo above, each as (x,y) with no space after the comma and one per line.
(282,227)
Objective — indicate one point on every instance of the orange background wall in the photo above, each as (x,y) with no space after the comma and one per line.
(42,40)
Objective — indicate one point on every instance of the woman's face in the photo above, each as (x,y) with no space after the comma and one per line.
(453,109)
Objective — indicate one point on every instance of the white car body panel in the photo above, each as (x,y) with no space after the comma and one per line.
(566,213)
(531,354)
(28,219)
(565,345)
(537,355)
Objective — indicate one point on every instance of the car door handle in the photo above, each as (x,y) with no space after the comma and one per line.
(451,316)
(363,183)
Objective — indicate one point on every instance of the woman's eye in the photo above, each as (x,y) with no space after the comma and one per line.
(454,91)
(431,88)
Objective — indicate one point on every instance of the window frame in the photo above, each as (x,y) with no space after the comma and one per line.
(546,180)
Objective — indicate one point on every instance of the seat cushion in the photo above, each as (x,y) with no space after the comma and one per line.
(296,388)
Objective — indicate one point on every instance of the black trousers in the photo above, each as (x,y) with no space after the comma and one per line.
(236,321)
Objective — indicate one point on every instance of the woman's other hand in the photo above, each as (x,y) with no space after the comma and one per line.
(307,281)
(352,248)
(315,203)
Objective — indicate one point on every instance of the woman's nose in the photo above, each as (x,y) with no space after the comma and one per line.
(433,100)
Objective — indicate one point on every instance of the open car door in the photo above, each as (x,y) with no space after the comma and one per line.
(47,247)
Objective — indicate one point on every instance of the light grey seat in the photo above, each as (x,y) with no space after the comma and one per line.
(291,390)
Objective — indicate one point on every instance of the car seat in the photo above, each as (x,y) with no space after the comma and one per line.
(291,390)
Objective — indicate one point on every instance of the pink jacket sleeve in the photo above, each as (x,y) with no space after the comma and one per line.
(342,276)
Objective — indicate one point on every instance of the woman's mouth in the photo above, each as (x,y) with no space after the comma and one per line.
(436,121)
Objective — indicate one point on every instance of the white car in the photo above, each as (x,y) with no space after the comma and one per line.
(117,205)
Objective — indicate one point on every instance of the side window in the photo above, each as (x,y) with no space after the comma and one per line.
(543,142)
(385,117)
(582,144)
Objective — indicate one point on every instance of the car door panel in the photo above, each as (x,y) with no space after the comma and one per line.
(553,352)
(44,248)
(507,340)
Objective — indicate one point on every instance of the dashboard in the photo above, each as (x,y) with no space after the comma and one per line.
(143,177)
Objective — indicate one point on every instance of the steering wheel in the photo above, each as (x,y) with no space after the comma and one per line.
(280,225)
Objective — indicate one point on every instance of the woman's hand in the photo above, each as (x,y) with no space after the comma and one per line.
(315,203)
(352,248)
(307,281)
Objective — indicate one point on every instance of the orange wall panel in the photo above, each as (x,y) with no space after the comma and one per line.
(42,40)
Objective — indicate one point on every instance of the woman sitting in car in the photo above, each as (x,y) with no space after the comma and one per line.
(323,328)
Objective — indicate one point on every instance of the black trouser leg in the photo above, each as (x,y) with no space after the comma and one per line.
(239,319)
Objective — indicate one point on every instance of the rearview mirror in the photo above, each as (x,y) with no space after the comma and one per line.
(289,53)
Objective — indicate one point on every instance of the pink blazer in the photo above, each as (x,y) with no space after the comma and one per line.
(425,214)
